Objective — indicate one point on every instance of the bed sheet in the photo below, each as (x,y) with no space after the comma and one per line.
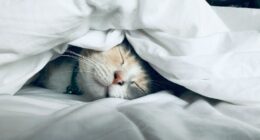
(42,114)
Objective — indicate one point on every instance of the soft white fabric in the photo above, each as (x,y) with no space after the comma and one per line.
(239,19)
(39,114)
(32,31)
(184,40)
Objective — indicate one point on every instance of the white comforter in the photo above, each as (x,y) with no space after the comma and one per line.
(39,114)
(215,54)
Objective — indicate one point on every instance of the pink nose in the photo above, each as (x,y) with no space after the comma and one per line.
(118,78)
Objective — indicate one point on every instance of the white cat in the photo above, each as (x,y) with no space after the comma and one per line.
(117,72)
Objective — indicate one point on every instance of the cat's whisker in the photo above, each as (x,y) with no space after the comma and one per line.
(95,65)
(103,71)
(107,70)
(85,61)
(138,86)
(74,57)
(101,68)
(96,72)
(77,54)
(81,57)
(86,72)
(93,61)
(70,56)
(82,60)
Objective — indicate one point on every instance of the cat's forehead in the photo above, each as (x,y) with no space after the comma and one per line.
(116,56)
(115,51)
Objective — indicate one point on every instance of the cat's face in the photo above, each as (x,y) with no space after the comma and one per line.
(113,73)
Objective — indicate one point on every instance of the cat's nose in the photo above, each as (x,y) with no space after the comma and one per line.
(118,78)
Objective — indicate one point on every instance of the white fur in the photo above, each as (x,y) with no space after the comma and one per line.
(97,81)
(95,77)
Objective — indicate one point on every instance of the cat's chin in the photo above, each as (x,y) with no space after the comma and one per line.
(117,91)
(112,90)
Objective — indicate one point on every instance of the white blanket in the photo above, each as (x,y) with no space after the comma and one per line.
(184,40)
(214,54)
(40,114)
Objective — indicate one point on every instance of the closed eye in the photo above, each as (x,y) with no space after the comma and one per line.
(122,58)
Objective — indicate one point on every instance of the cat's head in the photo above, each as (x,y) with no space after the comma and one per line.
(117,72)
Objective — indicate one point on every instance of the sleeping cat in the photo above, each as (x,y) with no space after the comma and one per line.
(118,72)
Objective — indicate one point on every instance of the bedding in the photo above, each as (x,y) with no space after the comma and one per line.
(43,114)
(206,49)
(197,49)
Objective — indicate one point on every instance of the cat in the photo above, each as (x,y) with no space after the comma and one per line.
(118,72)
(113,73)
